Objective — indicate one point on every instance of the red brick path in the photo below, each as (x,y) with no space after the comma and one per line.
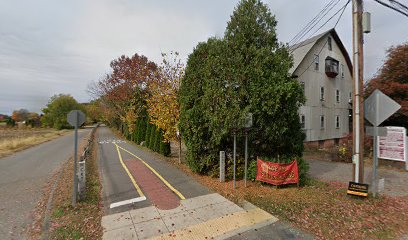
(154,189)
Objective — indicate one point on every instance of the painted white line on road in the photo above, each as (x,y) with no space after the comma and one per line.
(125,202)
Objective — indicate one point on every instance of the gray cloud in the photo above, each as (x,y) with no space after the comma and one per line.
(49,47)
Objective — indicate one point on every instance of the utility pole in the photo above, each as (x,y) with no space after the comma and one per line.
(358,110)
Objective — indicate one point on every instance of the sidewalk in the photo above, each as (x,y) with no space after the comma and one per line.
(395,180)
(205,217)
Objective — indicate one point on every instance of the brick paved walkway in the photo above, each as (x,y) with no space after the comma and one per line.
(159,194)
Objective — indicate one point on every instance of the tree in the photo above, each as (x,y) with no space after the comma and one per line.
(244,72)
(58,107)
(392,80)
(93,111)
(20,115)
(123,92)
(163,102)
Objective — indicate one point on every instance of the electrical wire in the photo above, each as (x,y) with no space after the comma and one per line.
(311,22)
(400,5)
(343,8)
(314,22)
(310,29)
(391,7)
(328,20)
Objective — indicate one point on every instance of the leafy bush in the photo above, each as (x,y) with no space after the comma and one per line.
(246,71)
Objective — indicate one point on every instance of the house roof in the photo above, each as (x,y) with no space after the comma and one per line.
(300,50)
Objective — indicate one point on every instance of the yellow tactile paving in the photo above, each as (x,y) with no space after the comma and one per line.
(216,227)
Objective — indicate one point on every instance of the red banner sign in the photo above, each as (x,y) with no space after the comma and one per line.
(276,173)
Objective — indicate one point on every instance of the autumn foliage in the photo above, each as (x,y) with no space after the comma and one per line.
(392,80)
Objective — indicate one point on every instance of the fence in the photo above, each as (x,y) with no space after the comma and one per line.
(81,165)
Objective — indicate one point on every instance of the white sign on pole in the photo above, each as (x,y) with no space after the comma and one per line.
(393,145)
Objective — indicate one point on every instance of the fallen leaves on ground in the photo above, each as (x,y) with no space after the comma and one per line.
(321,208)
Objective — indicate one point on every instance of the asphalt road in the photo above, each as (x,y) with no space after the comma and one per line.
(22,177)
(117,185)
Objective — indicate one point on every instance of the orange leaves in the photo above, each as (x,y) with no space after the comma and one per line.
(163,105)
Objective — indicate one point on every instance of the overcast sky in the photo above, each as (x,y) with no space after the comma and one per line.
(53,46)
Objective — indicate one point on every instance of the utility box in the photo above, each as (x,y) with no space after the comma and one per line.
(366,22)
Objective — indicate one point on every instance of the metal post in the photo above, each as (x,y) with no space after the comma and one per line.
(375,163)
(222,166)
(75,190)
(235,150)
(375,150)
(246,156)
(358,114)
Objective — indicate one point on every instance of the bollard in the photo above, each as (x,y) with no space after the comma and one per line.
(222,166)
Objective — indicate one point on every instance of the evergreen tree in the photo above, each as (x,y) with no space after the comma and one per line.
(244,72)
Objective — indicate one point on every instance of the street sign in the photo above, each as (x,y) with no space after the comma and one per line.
(381,131)
(76,118)
(378,107)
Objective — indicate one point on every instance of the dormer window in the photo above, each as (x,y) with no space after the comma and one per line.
(332,67)
(329,43)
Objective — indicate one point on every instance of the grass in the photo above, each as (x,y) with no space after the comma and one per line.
(83,221)
(12,141)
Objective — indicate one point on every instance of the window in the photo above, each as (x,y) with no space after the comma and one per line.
(322,123)
(329,43)
(321,93)
(337,121)
(302,84)
(302,121)
(342,70)
(350,98)
(316,62)
(337,96)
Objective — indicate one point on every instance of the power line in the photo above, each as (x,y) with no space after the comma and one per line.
(343,8)
(328,20)
(311,21)
(314,21)
(400,5)
(391,7)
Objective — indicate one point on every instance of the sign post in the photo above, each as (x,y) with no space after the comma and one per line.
(377,108)
(247,126)
(75,118)
(222,166)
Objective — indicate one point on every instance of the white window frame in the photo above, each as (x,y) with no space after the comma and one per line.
(321,95)
(322,122)
(338,99)
(337,121)
(316,62)
(302,121)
